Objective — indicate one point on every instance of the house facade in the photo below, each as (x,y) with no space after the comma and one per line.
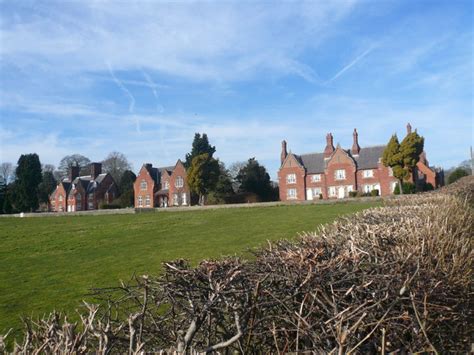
(83,193)
(335,172)
(161,187)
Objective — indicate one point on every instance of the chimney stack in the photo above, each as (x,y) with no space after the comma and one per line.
(329,146)
(408,128)
(284,152)
(73,172)
(355,144)
(96,170)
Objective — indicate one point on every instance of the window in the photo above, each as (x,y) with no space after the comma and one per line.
(332,191)
(291,194)
(316,178)
(78,197)
(368,173)
(166,185)
(143,185)
(140,201)
(390,171)
(175,199)
(183,196)
(291,179)
(369,188)
(313,193)
(147,201)
(340,174)
(179,182)
(60,198)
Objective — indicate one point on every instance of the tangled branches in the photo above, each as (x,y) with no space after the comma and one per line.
(397,277)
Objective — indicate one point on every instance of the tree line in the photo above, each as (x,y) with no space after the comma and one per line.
(27,186)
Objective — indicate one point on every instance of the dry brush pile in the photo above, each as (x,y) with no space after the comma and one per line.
(393,278)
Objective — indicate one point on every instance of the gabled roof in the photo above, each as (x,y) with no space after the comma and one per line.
(154,173)
(368,158)
(168,169)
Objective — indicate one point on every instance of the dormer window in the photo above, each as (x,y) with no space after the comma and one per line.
(179,182)
(291,179)
(166,185)
(340,174)
(143,185)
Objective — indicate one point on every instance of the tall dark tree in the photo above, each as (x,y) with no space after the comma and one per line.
(68,161)
(200,146)
(28,178)
(203,175)
(253,177)
(116,164)
(224,187)
(47,186)
(3,193)
(126,198)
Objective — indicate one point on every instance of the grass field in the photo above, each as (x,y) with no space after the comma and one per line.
(51,263)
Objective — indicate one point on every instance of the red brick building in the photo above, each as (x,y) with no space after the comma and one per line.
(83,193)
(161,187)
(336,172)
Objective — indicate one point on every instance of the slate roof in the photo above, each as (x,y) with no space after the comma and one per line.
(368,158)
(169,169)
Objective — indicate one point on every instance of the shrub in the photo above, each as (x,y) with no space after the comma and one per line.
(408,188)
(457,174)
(353,193)
(109,206)
(374,192)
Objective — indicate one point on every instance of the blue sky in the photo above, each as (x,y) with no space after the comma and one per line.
(140,77)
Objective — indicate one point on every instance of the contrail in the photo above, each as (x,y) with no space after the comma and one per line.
(350,65)
(152,87)
(131,106)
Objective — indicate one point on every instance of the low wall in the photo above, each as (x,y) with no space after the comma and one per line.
(195,208)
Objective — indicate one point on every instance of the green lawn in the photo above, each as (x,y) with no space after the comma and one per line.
(51,263)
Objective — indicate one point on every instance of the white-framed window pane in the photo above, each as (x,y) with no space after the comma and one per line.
(184,198)
(332,191)
(291,193)
(340,174)
(140,201)
(147,201)
(316,178)
(175,199)
(143,185)
(390,171)
(368,173)
(179,182)
(291,179)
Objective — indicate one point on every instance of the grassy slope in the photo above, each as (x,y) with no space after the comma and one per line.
(52,262)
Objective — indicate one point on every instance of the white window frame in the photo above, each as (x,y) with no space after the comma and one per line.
(175,199)
(340,174)
(332,192)
(140,201)
(292,194)
(166,185)
(60,198)
(184,198)
(368,174)
(143,185)
(390,171)
(291,178)
(316,178)
(147,201)
(179,182)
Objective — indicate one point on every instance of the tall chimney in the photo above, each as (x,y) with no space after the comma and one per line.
(284,152)
(329,146)
(96,170)
(408,128)
(73,172)
(355,144)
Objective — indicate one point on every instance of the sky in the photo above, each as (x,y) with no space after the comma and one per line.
(141,77)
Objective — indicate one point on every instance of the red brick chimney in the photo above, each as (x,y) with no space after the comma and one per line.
(329,146)
(408,128)
(355,144)
(284,152)
(96,170)
(73,172)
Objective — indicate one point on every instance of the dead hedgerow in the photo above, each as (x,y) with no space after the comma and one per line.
(396,278)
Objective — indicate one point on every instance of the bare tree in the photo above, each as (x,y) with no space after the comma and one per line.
(116,164)
(7,172)
(73,160)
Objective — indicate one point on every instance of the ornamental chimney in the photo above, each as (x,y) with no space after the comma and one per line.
(408,128)
(284,152)
(96,170)
(355,144)
(329,146)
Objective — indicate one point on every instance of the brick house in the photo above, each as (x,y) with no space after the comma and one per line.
(161,187)
(336,172)
(83,193)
